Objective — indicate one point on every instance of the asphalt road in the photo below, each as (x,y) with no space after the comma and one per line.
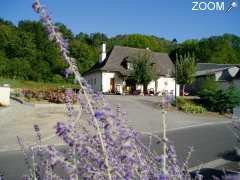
(209,143)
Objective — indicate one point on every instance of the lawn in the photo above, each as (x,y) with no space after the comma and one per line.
(34,85)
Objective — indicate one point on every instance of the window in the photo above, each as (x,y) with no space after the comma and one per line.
(126,64)
(129,66)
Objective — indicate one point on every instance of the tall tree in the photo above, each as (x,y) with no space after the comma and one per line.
(85,54)
(143,69)
(67,33)
(185,69)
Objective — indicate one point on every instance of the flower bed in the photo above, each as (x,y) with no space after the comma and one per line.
(49,95)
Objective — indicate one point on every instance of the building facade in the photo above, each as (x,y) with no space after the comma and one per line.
(112,74)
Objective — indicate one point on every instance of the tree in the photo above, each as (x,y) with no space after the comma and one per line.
(85,55)
(3,64)
(67,33)
(143,69)
(186,68)
(98,38)
(142,41)
(19,69)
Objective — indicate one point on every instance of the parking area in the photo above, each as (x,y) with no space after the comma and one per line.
(144,114)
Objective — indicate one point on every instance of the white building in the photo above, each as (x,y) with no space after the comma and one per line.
(112,74)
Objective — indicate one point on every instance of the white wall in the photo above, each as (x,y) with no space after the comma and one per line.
(151,85)
(4,96)
(100,81)
(218,75)
(95,80)
(106,77)
(166,84)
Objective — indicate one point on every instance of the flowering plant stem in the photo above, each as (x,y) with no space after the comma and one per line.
(164,141)
(74,68)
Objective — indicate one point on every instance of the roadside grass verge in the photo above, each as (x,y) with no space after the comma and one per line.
(22,84)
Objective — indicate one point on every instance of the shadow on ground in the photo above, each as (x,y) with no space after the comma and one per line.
(213,174)
(230,156)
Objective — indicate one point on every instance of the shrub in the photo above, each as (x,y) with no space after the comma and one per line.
(209,84)
(221,101)
(180,101)
(187,106)
(192,108)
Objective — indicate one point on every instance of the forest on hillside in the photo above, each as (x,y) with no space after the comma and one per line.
(27,54)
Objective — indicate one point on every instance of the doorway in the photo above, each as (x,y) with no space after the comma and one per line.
(112,85)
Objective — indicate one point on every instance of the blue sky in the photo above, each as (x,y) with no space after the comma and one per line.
(164,18)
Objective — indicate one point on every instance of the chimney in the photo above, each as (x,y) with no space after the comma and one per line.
(103,54)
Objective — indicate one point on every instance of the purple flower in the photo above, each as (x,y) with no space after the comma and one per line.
(67,72)
(98,115)
(36,127)
(36,7)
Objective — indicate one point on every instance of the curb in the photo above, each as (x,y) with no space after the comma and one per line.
(18,100)
(51,105)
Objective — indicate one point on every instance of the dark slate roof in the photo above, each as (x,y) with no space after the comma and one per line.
(210,68)
(207,66)
(162,61)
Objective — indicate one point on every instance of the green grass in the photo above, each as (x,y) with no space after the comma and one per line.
(34,85)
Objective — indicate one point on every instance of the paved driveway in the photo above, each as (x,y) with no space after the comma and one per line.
(145,115)
(18,120)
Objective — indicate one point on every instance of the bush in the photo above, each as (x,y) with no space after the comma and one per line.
(187,106)
(221,101)
(192,108)
(209,84)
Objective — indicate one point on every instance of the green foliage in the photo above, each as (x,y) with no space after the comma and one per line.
(29,43)
(22,84)
(192,108)
(57,78)
(18,68)
(188,106)
(180,101)
(3,64)
(216,49)
(142,41)
(209,84)
(85,54)
(219,100)
(186,68)
(67,33)
(143,69)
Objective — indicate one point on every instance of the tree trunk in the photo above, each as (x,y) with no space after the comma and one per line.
(142,89)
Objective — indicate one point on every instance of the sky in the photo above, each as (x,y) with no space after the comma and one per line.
(163,18)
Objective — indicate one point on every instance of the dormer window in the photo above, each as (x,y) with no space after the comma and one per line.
(129,66)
